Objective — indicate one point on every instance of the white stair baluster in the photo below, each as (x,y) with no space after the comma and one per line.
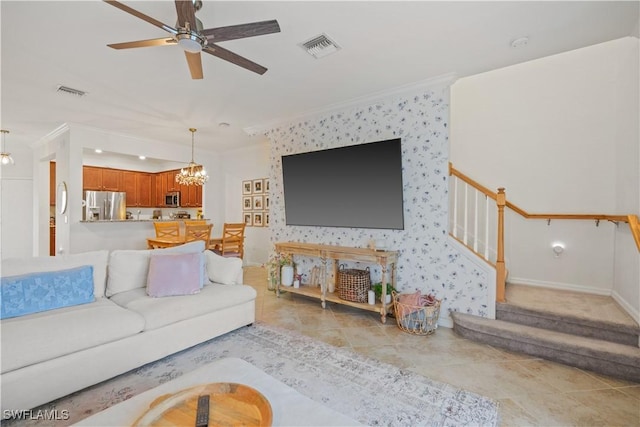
(486,227)
(455,206)
(475,224)
(466,213)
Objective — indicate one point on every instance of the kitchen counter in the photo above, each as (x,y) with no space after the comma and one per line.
(141,220)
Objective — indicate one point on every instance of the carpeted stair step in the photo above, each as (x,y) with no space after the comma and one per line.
(569,324)
(616,360)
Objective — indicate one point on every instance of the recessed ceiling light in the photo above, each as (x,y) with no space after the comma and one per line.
(520,42)
(97,150)
(142,157)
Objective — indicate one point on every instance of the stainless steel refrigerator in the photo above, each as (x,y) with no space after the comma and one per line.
(104,206)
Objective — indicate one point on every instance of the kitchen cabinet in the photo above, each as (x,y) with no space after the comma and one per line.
(144,189)
(52,183)
(160,189)
(101,179)
(138,186)
(172,185)
(191,196)
(52,240)
(199,197)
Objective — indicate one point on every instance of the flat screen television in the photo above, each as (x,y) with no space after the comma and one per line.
(355,186)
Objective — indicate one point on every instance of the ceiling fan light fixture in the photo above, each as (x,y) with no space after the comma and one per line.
(5,158)
(193,174)
(190,42)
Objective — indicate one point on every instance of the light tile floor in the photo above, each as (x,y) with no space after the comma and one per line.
(531,391)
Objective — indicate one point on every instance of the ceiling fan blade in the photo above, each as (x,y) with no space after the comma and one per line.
(186,13)
(141,16)
(143,43)
(195,64)
(234,58)
(241,31)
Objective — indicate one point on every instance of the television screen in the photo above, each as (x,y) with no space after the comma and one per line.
(356,186)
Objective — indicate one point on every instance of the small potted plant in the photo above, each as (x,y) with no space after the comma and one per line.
(281,265)
(377,288)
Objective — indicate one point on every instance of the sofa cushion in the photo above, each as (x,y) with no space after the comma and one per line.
(97,259)
(129,268)
(42,336)
(174,274)
(223,270)
(159,312)
(36,292)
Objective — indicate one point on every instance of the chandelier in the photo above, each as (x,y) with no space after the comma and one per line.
(193,174)
(5,158)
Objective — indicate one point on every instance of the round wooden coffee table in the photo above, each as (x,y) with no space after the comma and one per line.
(230,404)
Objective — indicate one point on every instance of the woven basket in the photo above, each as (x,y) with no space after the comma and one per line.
(353,284)
(418,320)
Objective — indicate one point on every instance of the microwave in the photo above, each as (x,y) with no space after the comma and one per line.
(172,199)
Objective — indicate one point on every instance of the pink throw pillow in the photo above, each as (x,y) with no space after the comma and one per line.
(173,274)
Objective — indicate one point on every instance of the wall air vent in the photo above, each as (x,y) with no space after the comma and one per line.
(70,91)
(320,46)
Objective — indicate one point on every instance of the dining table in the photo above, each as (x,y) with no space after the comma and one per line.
(170,241)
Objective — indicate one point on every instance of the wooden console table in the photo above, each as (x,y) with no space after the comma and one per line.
(385,259)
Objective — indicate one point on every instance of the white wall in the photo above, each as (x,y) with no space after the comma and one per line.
(626,286)
(241,165)
(560,134)
(16,203)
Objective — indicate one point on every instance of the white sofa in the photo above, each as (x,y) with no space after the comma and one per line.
(53,353)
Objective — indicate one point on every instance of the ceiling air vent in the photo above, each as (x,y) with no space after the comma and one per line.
(320,46)
(70,91)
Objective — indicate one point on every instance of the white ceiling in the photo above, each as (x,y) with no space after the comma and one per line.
(148,92)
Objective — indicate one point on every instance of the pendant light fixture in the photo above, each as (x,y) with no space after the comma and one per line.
(5,158)
(193,174)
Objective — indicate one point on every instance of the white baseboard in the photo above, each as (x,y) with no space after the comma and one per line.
(561,286)
(446,321)
(631,311)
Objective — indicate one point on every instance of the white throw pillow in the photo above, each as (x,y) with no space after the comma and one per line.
(129,268)
(97,259)
(227,271)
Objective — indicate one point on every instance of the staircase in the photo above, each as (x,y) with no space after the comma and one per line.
(586,331)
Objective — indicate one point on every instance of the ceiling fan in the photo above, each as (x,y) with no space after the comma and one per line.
(190,35)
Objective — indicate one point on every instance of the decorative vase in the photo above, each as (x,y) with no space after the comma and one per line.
(271,284)
(387,299)
(286,275)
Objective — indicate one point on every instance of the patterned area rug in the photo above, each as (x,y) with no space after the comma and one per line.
(372,392)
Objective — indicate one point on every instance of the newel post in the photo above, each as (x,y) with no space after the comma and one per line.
(501,272)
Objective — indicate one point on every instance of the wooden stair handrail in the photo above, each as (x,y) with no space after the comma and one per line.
(634,224)
(481,188)
(501,203)
(547,216)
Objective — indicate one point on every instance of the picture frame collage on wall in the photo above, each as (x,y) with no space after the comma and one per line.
(255,202)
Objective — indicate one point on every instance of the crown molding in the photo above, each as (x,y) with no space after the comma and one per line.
(442,80)
(51,135)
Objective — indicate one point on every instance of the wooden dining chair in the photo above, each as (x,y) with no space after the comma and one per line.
(167,228)
(198,232)
(232,240)
(195,221)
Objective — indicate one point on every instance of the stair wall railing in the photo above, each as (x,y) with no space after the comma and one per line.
(477,219)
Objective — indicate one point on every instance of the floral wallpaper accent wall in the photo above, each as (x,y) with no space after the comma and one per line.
(427,261)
